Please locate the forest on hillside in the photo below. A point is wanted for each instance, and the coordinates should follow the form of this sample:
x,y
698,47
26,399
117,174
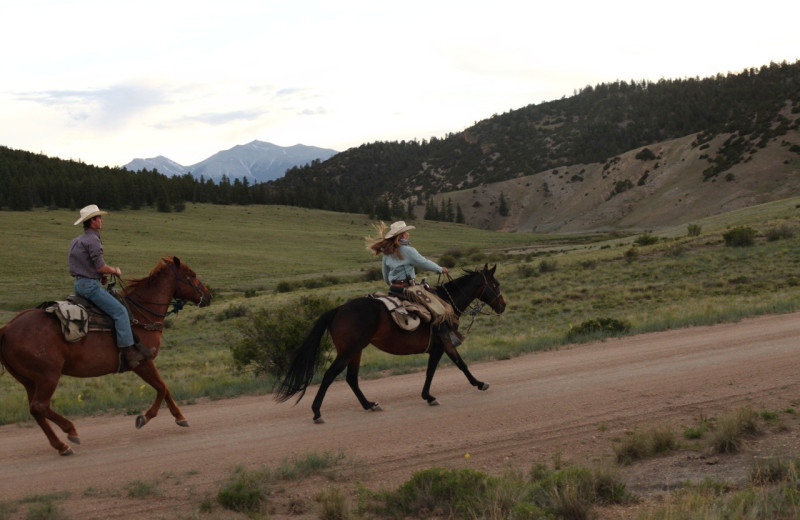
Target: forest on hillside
x,y
387,179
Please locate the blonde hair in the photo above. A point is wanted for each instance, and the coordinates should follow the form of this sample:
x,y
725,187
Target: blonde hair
x,y
379,245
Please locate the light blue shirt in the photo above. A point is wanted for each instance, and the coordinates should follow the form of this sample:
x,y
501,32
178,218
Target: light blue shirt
x,y
395,268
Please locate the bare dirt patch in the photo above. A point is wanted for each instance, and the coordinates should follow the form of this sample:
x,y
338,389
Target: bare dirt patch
x,y
570,404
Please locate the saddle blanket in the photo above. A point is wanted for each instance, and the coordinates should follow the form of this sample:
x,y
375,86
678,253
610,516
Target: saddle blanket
x,y
407,315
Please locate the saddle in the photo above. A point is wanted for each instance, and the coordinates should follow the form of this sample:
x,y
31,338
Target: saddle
x,y
406,314
78,316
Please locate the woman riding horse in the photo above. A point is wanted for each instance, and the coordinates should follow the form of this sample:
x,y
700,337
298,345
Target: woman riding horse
x,y
397,265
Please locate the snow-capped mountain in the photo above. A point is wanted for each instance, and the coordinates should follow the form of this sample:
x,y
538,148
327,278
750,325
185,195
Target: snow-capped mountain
x,y
257,161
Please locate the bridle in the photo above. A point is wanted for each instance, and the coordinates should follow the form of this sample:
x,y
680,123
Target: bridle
x,y
176,303
475,306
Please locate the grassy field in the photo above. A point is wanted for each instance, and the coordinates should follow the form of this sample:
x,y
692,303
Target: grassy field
x,y
552,284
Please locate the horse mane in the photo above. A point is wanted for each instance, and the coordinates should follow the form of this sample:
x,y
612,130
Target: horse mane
x,y
149,279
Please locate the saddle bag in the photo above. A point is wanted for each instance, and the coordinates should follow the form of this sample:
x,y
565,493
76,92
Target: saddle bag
x,y
407,315
73,318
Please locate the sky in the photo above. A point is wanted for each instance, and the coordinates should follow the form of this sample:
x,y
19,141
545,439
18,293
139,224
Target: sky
x,y
105,82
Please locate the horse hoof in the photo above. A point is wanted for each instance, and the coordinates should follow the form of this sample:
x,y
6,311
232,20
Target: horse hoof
x,y
433,402
74,439
66,452
375,407
182,422
483,387
319,420
140,421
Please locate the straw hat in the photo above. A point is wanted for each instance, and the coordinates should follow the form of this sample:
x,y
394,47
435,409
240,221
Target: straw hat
x,y
88,212
396,228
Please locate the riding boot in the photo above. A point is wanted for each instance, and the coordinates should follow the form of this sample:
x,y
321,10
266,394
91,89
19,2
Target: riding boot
x,y
448,335
132,356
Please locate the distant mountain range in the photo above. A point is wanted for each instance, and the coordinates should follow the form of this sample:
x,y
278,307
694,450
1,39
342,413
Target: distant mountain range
x,y
257,161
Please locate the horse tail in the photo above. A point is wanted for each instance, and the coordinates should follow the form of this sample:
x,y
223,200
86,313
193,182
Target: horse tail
x,y
304,360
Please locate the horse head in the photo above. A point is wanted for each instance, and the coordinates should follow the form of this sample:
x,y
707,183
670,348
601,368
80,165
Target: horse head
x,y
479,284
489,292
188,286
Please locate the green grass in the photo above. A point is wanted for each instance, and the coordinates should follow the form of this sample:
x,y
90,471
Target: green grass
x,y
243,253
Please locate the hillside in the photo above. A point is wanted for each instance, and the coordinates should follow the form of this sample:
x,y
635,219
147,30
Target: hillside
x,y
563,159
626,192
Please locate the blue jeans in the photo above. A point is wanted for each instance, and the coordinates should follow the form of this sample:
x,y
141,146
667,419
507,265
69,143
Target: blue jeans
x,y
93,290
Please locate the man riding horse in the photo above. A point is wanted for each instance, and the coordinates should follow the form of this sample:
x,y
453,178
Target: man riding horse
x,y
88,267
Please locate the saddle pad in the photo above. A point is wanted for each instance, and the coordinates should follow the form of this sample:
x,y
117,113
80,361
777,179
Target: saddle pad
x,y
407,315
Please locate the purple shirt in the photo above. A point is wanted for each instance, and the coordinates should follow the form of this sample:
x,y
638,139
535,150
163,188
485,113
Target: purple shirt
x,y
86,255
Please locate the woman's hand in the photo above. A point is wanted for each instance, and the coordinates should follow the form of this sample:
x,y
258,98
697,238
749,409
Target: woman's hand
x,y
444,270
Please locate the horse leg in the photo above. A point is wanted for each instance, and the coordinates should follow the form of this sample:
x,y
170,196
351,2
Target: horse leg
x,y
433,361
149,373
334,370
453,354
352,380
39,396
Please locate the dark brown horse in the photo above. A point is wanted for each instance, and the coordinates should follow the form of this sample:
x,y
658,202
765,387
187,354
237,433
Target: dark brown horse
x,y
361,321
33,349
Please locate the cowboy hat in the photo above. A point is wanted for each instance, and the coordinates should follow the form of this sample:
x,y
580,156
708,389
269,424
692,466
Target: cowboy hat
x,y
396,228
88,212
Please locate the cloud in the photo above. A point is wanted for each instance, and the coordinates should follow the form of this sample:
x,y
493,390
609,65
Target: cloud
x,y
106,108
221,118
319,111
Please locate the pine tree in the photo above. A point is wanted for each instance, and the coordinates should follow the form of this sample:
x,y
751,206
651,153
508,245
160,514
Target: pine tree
x,y
503,206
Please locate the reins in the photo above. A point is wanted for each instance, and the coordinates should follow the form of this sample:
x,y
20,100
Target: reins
x,y
176,303
475,306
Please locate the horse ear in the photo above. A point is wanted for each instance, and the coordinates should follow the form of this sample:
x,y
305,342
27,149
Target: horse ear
x,y
494,268
177,261
486,267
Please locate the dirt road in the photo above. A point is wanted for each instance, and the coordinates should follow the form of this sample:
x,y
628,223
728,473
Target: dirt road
x,y
570,403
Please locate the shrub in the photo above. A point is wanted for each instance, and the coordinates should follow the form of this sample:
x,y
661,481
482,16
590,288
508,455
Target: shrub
x,y
244,492
333,505
284,286
645,155
233,311
694,230
440,491
526,271
547,266
603,326
631,255
741,236
448,261
271,335
373,274
772,470
781,232
733,429
646,239
640,445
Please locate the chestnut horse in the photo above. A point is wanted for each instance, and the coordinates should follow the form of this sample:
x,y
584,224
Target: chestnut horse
x,y
361,321
34,351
